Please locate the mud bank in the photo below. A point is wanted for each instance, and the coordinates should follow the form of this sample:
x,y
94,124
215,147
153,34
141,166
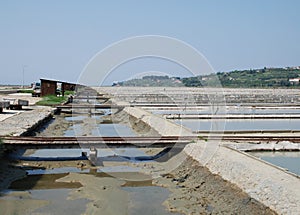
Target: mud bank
x,y
55,127
21,124
9,173
195,190
269,185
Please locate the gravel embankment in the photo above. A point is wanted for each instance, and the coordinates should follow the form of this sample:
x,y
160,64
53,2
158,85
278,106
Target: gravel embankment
x,y
269,185
24,122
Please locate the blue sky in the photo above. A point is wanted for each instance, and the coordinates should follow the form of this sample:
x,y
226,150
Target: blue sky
x,y
56,39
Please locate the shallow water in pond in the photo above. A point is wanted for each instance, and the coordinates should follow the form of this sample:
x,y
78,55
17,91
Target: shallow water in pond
x,y
152,196
56,199
231,110
96,127
244,124
44,193
112,130
106,154
287,160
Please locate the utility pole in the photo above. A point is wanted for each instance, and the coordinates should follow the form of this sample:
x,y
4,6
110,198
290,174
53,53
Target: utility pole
x,y
23,70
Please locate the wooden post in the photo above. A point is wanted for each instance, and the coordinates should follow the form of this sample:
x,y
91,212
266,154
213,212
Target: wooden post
x,y
93,156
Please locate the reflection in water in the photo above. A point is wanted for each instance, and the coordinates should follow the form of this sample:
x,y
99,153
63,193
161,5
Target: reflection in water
x,y
43,181
75,152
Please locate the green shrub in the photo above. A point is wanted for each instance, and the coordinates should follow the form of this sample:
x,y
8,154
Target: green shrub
x,y
25,91
52,100
69,92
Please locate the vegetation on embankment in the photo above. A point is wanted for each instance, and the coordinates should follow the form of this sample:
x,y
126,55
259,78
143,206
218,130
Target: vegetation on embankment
x,y
25,91
52,100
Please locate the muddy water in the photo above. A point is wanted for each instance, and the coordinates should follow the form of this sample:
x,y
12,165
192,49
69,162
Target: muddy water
x,y
75,187
147,200
51,190
45,194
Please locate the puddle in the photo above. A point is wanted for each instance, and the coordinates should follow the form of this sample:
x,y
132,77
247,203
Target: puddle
x,y
51,201
56,170
132,155
75,118
96,127
58,203
84,125
82,117
45,194
58,152
287,160
112,130
147,200
103,153
65,170
43,181
119,169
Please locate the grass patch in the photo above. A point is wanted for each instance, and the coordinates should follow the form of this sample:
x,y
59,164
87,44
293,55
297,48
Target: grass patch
x,y
25,91
202,138
69,92
52,100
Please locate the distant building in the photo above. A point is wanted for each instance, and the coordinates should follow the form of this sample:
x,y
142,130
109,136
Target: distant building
x,y
294,81
115,84
50,87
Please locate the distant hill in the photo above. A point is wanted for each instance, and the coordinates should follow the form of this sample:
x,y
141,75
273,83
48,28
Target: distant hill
x,y
266,77
153,81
